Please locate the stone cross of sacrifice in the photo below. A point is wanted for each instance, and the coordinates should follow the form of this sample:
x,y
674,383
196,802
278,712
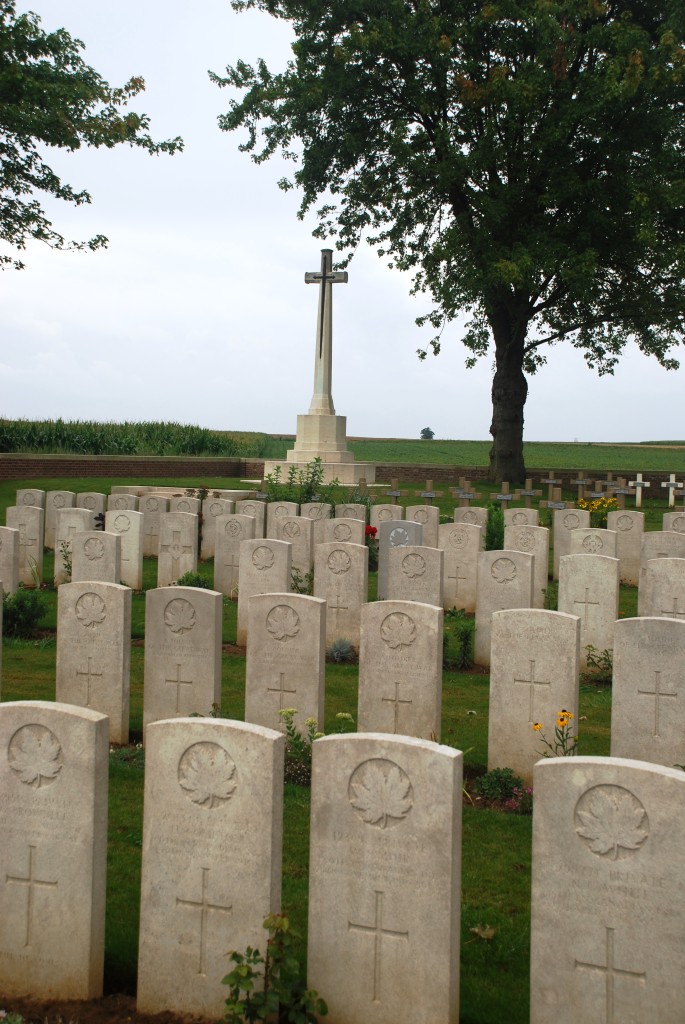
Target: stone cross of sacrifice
x,y
322,399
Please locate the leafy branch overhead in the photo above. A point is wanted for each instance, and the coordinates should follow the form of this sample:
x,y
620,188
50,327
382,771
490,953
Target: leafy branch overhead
x,y
524,160
49,97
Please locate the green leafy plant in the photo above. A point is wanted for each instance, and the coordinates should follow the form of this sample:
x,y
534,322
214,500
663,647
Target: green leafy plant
x,y
298,747
67,560
600,665
345,722
494,529
564,744
192,579
271,988
300,584
301,485
458,641
552,596
499,784
21,613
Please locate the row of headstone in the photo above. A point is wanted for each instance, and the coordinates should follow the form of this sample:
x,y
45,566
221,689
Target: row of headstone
x,y
384,873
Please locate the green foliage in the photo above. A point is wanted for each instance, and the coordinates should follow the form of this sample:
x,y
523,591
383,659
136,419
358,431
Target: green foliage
x,y
600,665
494,529
564,743
298,747
50,98
300,584
301,485
427,434
499,784
271,987
489,150
458,641
84,437
67,560
21,613
193,579
552,596
341,651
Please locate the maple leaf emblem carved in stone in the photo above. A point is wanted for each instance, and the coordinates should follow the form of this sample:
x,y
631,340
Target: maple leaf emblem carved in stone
x,y
625,523
35,755
122,524
248,509
283,623
90,610
399,538
281,510
413,565
571,521
93,549
519,519
59,501
152,505
398,630
206,773
89,502
384,515
679,524
503,570
179,616
470,517
342,532
611,821
262,558
215,509
421,516
339,562
381,793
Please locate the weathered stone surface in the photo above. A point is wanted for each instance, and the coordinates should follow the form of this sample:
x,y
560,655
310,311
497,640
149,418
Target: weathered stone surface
x,y
461,543
122,502
298,531
341,574
534,671
265,568
177,547
130,526
534,540
608,836
96,503
96,555
662,592
230,531
674,521
474,515
352,510
521,517
256,509
68,522
29,521
285,663
658,544
182,652
185,503
648,691
588,587
429,518
31,496
505,580
400,668
629,527
212,508
384,514
344,531
394,533
592,541
55,501
276,510
152,506
212,838
319,513
564,522
384,879
94,651
9,559
415,573
53,854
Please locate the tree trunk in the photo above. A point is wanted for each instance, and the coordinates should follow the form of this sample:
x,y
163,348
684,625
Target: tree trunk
x,y
509,393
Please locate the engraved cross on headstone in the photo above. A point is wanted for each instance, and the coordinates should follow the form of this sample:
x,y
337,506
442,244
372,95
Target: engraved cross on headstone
x,y
90,675
281,690
176,549
610,971
585,603
396,701
31,882
322,399
379,933
205,908
178,683
532,682
657,693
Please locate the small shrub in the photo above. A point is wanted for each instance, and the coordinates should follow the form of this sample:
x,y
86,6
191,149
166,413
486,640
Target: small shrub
x,y
298,748
458,643
600,665
300,584
22,612
341,651
494,530
192,579
552,596
520,802
499,784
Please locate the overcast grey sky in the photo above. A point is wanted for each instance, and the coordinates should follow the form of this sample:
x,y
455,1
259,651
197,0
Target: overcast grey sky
x,y
198,311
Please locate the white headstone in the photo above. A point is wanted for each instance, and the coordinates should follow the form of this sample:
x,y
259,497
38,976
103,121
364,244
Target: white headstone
x,y
230,531
29,521
96,555
394,533
152,506
429,518
384,514
474,515
662,591
629,527
265,568
344,531
415,573
177,546
592,541
9,559
129,525
96,503
461,544
521,517
276,510
351,510
55,501
298,531
122,502
341,579
534,540
505,580
31,496
589,588
212,508
565,521
256,509
68,522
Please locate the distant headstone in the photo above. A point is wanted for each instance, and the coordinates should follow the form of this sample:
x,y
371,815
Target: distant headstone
x,y
257,509
96,503
29,521
177,547
285,661
429,518
185,503
55,501
122,503
565,521
400,669
521,517
629,527
662,592
212,508
53,854
415,573
319,512
230,531
474,515
344,531
592,541
341,580
534,540
152,506
658,544
614,832
384,879
68,522
505,580
94,651
212,838
533,676
129,526
182,652
9,559
461,544
265,568
674,521
298,531
276,510
31,496
384,514
588,587
352,510
394,533
96,555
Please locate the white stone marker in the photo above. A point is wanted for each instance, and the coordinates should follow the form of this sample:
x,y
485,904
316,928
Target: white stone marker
x,y
474,515
184,503
94,651
353,510
521,517
648,691
384,879
565,521
592,541
9,559
256,509
53,853
265,568
341,574
212,508
319,512
629,527
276,510
534,540
400,668
298,531
55,501
122,503
609,833
212,838
177,546
96,503
429,517
29,521
152,506
344,531
662,592
182,652
68,522
96,555
659,544
129,526
285,662
415,573
674,521
394,533
533,676
31,496
505,580
461,543
588,587
384,514
230,531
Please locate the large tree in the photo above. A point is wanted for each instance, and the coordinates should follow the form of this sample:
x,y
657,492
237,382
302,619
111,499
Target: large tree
x,y
49,97
523,158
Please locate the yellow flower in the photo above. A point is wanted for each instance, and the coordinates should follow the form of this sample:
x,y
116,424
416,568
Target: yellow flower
x,y
561,721
537,726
